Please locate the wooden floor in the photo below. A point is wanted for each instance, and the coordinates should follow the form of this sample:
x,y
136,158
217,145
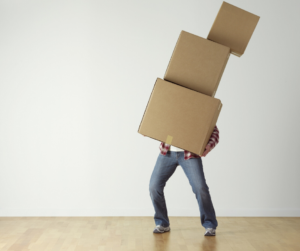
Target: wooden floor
x,y
135,233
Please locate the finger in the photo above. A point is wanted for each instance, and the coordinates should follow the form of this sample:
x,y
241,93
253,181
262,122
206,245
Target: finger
x,y
204,153
207,151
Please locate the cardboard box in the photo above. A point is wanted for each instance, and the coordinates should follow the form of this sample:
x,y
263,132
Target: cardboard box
x,y
180,117
197,63
233,27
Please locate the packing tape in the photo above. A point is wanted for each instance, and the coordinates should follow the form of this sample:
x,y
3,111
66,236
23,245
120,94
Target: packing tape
x,y
169,140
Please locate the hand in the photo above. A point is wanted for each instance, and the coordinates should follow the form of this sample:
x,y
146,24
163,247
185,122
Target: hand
x,y
206,151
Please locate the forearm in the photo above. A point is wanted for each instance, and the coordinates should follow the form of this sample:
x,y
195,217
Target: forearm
x,y
214,138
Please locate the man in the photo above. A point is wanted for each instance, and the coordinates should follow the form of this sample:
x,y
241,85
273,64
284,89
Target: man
x,y
168,160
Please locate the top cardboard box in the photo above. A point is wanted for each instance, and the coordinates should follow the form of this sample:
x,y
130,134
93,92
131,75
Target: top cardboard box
x,y
197,63
233,27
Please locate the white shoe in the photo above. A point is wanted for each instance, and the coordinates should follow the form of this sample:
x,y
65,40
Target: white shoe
x,y
210,232
160,229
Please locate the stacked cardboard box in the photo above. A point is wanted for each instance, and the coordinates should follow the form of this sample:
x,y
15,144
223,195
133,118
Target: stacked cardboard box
x,y
182,110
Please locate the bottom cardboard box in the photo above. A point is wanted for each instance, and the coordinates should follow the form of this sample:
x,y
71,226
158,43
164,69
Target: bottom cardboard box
x,y
180,117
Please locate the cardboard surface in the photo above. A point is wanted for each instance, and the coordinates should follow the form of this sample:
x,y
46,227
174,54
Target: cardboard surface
x,y
197,63
180,116
233,27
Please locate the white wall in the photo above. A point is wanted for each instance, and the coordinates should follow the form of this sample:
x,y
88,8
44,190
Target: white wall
x,y
75,80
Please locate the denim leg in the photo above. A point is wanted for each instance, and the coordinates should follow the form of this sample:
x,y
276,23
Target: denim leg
x,y
164,168
193,169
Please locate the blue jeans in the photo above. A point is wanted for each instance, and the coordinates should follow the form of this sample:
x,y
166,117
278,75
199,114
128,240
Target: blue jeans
x,y
164,168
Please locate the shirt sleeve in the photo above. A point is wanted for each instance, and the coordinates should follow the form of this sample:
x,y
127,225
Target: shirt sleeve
x,y
161,145
214,138
164,148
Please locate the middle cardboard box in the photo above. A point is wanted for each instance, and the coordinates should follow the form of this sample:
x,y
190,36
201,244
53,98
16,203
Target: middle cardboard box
x,y
197,63
180,117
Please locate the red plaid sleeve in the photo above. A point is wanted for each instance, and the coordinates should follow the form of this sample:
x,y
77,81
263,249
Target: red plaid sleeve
x,y
164,148
214,138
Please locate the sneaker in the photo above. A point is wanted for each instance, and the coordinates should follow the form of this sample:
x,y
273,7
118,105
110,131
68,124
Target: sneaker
x,y
210,232
160,229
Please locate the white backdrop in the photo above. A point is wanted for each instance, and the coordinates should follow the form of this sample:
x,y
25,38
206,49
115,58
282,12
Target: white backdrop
x,y
75,80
